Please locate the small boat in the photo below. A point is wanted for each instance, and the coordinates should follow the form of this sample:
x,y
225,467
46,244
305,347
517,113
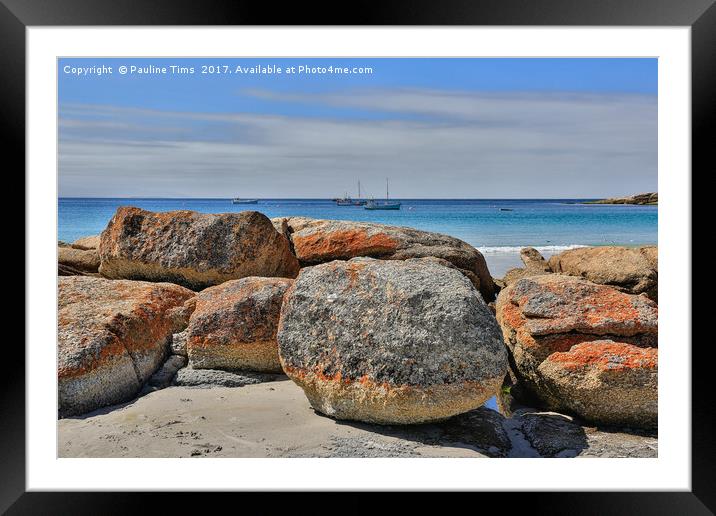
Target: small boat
x,y
387,205
372,205
506,209
347,201
359,201
244,201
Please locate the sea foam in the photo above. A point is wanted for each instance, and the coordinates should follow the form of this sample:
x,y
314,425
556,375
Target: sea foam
x,y
516,249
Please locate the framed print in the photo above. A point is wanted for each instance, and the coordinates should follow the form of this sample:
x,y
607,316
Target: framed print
x,y
419,250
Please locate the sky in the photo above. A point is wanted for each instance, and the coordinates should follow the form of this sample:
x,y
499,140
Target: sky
x,y
438,128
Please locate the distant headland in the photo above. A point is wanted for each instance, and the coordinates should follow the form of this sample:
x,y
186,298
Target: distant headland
x,y
645,199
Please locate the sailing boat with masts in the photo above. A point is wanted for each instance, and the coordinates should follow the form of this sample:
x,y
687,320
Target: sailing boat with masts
x,y
359,201
347,201
387,205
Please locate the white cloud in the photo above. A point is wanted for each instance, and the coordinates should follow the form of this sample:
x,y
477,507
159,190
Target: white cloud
x,y
430,143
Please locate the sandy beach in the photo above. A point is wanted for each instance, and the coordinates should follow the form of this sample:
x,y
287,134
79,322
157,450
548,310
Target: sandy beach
x,y
266,420
275,420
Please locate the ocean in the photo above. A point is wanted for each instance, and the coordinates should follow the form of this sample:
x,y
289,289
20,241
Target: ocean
x,y
550,225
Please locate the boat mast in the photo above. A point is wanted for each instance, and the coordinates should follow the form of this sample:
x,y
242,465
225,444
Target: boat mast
x,y
359,190
386,188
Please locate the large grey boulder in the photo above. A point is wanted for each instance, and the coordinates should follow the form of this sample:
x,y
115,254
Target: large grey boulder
x,y
390,341
196,250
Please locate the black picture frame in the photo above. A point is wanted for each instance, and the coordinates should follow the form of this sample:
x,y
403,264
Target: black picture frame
x,y
700,15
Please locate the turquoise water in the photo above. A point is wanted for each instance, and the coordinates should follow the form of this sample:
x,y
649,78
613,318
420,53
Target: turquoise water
x,y
550,224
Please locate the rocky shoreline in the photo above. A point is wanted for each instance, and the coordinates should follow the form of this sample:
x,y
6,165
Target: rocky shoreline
x,y
398,333
645,199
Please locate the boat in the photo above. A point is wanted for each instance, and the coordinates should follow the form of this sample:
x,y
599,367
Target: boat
x,y
372,205
387,205
359,201
244,201
347,201
344,201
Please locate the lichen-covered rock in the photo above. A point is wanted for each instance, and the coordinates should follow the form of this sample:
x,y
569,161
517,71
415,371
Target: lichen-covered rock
x,y
533,259
544,315
390,341
234,325
535,265
318,241
604,382
112,335
82,261
193,249
88,242
207,378
630,269
518,273
474,279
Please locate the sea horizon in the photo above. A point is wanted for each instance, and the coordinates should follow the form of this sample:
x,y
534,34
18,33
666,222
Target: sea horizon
x,y
331,198
499,228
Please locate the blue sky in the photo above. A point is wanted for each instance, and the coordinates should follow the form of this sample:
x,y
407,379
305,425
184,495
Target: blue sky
x,y
436,127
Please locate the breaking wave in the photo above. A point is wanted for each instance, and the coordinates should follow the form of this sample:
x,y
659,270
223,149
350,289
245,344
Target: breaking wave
x,y
540,248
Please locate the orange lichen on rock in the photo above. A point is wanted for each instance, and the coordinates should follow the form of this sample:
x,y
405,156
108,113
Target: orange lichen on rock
x,y
364,399
509,314
317,241
112,335
583,347
603,381
607,355
196,250
608,304
234,325
557,304
390,341
343,244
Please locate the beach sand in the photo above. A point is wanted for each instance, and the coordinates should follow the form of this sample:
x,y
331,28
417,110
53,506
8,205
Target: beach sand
x,y
265,420
274,419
